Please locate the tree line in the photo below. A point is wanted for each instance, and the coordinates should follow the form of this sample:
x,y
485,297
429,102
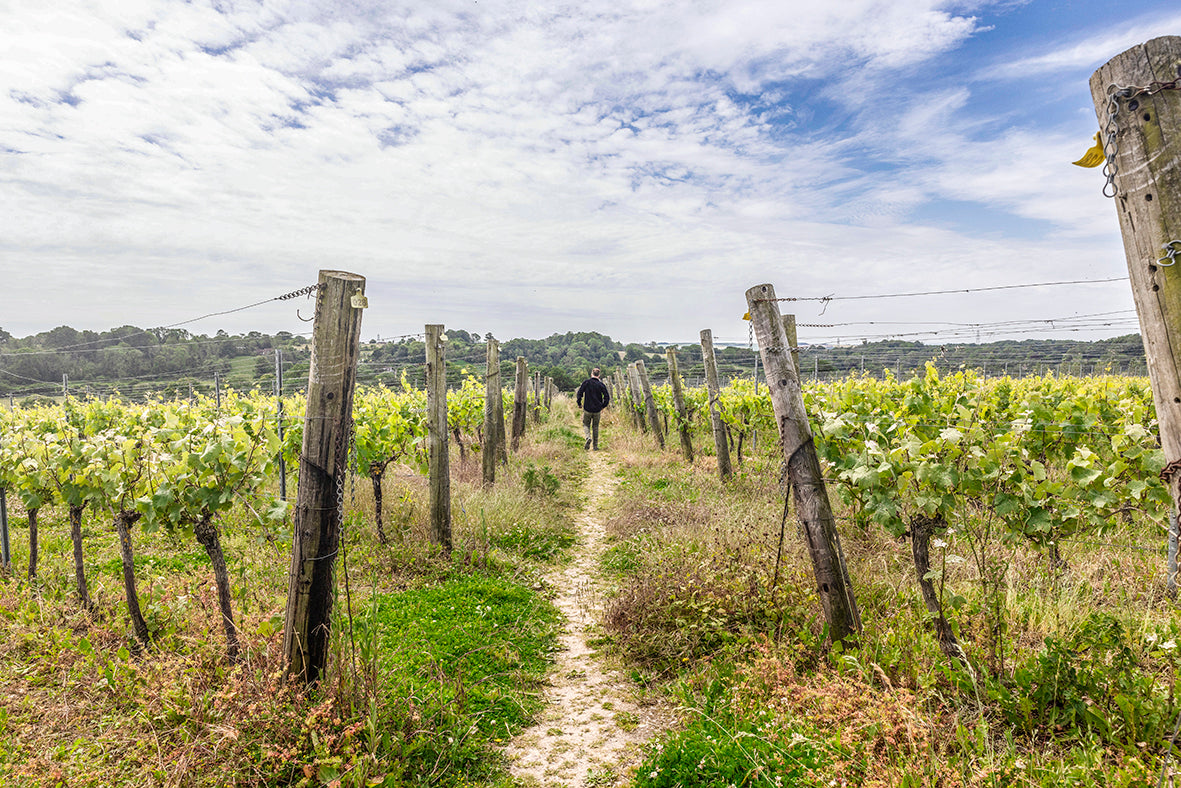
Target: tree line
x,y
167,361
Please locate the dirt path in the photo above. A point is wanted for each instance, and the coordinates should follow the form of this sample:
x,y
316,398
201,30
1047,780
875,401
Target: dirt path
x,y
590,735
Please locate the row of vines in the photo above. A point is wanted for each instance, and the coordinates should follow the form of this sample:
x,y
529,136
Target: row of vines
x,y
1037,459
997,461
181,465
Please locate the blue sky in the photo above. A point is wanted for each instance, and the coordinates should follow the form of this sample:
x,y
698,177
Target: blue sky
x,y
629,167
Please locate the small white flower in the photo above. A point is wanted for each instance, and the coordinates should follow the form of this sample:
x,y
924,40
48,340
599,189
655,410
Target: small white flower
x,y
1169,645
939,543
1151,637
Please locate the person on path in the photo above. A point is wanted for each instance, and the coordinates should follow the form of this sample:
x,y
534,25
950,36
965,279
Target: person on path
x,y
592,397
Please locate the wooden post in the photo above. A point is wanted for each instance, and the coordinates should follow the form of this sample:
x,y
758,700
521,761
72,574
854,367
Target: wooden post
x,y
520,401
803,468
549,393
537,397
674,375
721,445
278,422
501,438
491,402
436,421
636,396
650,403
1142,137
793,342
336,335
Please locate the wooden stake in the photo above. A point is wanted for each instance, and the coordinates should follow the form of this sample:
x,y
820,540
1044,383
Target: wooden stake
x,y
650,403
491,400
436,419
721,445
1147,146
336,336
674,376
789,327
520,402
803,468
635,396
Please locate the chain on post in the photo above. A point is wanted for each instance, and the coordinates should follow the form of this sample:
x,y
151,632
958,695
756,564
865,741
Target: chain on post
x,y
340,471
1172,250
1111,129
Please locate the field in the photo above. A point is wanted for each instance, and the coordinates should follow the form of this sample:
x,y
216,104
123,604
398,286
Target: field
x,y
1039,498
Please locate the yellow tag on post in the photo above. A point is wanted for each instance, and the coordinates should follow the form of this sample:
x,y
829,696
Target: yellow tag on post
x,y
1094,155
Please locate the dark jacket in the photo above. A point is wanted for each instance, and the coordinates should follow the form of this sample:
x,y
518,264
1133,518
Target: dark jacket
x,y
593,395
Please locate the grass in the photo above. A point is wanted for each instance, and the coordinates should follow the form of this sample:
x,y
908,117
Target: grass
x,y
440,660
1075,673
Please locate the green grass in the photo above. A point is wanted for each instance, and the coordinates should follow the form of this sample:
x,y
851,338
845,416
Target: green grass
x,y
443,657
469,656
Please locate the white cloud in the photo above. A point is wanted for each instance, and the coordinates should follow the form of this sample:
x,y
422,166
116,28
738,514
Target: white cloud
x,y
1090,52
577,158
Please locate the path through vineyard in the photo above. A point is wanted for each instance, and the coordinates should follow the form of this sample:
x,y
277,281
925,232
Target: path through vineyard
x,y
592,730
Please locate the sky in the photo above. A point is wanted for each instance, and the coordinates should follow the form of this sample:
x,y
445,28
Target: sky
x,y
630,167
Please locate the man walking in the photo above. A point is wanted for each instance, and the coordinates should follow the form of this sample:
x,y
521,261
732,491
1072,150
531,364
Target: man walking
x,y
592,397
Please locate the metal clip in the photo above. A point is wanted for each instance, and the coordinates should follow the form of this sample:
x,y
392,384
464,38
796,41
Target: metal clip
x,y
1173,248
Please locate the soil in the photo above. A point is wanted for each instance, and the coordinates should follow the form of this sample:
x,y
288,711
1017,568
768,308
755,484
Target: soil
x,y
593,730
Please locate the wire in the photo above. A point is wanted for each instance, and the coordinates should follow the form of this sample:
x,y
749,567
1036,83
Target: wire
x,y
285,297
828,298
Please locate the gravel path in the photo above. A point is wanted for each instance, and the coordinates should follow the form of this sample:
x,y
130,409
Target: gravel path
x,y
592,731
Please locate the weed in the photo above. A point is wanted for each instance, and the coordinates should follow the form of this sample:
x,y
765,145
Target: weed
x,y
540,481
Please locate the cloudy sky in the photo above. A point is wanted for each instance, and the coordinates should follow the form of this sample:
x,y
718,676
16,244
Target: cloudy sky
x,y
629,167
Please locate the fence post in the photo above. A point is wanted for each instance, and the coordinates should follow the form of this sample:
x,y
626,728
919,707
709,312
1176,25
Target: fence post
x,y
501,438
721,445
436,421
5,552
1141,128
278,420
674,375
650,403
491,398
520,401
793,342
635,395
336,336
803,468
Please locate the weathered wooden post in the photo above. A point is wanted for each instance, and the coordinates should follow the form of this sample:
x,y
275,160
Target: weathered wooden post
x,y
793,342
1137,97
501,436
650,403
635,394
336,335
279,428
492,403
438,462
520,401
721,445
674,375
537,397
803,468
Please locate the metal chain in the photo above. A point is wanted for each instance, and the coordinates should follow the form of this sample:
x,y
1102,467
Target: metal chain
x,y
1111,129
297,293
341,469
1172,250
